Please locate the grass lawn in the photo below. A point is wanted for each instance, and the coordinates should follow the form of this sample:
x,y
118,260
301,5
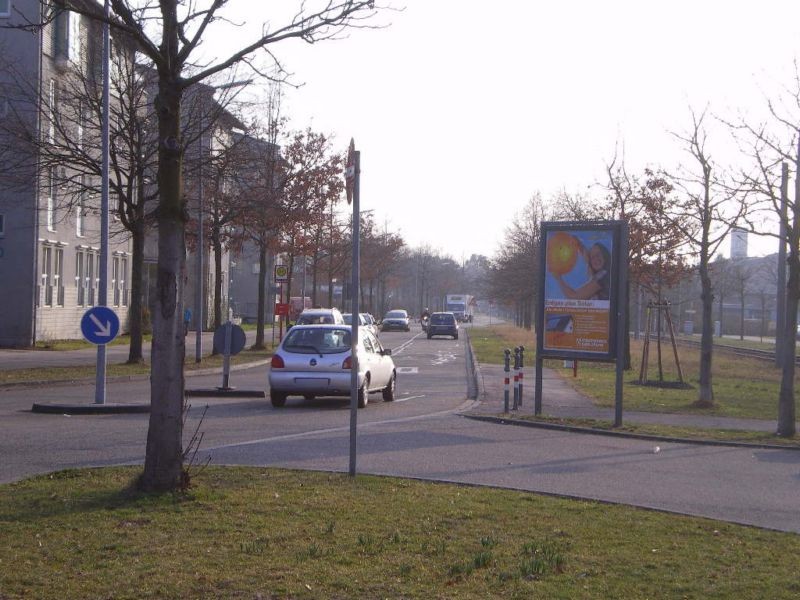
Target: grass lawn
x,y
266,533
743,387
120,369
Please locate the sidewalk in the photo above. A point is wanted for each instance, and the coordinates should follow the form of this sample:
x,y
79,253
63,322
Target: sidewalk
x,y
559,399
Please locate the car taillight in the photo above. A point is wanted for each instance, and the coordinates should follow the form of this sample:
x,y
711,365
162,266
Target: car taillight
x,y
348,363
277,362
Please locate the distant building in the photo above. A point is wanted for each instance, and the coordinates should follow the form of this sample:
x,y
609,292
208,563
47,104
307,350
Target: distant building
x,y
738,243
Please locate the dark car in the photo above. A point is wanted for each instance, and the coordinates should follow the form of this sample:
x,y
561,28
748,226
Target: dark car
x,y
443,323
396,320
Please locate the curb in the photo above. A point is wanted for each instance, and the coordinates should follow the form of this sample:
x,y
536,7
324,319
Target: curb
x,y
624,434
125,378
219,392
90,409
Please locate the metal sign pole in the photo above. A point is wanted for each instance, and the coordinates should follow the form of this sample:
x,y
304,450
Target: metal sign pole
x,y
356,266
622,312
102,300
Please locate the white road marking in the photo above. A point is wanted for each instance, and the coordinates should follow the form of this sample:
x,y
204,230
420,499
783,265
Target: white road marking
x,y
411,370
409,398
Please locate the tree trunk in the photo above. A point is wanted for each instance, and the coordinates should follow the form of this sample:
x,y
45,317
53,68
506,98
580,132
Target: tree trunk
x,y
741,319
262,293
705,396
135,355
163,465
314,279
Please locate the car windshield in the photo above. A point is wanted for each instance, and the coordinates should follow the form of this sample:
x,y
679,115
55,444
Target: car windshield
x,y
442,319
348,319
315,319
313,340
396,314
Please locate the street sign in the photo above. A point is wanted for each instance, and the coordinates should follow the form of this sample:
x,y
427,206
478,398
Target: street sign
x,y
238,339
350,171
281,309
281,273
99,325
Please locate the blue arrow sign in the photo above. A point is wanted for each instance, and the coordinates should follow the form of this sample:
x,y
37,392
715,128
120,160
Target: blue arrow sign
x,y
99,325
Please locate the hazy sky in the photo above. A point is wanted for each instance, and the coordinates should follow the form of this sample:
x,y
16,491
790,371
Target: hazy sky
x,y
462,110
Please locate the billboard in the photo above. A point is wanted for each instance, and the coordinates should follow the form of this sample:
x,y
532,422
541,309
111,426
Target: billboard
x,y
580,269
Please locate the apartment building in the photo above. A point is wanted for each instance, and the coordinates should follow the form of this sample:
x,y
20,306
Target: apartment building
x,y
49,218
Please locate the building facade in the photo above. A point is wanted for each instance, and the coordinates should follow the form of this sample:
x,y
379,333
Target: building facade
x,y
49,222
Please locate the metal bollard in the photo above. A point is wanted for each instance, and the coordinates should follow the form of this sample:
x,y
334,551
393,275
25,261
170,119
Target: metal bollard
x,y
516,378
521,373
506,368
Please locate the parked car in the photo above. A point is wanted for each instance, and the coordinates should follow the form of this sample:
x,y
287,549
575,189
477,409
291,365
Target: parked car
x,y
443,323
396,319
372,324
320,316
348,319
315,360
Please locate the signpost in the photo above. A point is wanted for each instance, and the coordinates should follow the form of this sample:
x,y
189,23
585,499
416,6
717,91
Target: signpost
x,y
229,339
352,176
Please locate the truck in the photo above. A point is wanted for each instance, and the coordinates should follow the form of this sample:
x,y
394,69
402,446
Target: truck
x,y
461,305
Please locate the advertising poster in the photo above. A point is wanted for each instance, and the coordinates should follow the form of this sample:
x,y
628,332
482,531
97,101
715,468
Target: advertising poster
x,y
578,290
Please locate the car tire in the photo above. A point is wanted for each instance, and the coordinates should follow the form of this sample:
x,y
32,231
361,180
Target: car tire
x,y
363,394
429,336
388,391
455,337
278,399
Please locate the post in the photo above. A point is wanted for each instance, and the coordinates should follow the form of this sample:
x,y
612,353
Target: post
x,y
102,300
780,304
506,381
226,357
198,293
537,388
521,371
622,312
356,266
516,378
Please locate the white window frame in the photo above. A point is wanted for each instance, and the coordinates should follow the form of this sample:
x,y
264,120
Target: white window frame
x,y
51,200
123,274
5,8
47,274
114,279
58,275
74,37
51,112
79,278
80,216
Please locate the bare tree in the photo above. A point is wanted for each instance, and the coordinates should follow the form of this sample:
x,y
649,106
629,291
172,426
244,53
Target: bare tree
x,y
709,209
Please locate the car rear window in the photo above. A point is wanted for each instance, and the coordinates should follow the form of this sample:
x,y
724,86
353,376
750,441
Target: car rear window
x,y
441,319
315,319
317,341
396,314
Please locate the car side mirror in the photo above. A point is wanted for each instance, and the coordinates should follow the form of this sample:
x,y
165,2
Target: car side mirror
x,y
386,352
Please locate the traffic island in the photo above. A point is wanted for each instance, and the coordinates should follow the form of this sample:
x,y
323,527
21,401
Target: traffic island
x,y
109,408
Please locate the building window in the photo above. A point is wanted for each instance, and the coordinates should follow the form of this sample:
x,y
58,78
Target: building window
x,y
86,261
79,277
52,191
80,216
47,274
5,8
51,112
115,279
124,284
58,276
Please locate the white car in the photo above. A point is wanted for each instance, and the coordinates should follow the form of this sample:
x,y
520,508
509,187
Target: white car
x,y
315,360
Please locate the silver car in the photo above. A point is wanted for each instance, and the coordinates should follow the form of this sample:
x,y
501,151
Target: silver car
x,y
314,360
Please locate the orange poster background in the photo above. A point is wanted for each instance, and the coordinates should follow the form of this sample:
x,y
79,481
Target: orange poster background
x,y
576,328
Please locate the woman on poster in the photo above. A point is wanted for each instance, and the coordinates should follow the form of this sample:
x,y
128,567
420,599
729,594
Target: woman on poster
x,y
598,265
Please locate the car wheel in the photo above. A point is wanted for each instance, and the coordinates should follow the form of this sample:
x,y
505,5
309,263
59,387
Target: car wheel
x,y
455,337
278,399
388,391
363,394
429,336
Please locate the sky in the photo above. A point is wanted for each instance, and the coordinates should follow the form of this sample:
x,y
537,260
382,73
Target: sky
x,y
463,110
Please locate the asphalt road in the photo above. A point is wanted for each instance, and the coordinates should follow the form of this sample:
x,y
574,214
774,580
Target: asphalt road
x,y
422,434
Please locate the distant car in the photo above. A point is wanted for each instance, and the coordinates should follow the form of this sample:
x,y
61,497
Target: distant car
x,y
315,360
320,316
443,323
396,320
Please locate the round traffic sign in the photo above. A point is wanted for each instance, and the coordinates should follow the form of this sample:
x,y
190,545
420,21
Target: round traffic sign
x,y
238,339
99,325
